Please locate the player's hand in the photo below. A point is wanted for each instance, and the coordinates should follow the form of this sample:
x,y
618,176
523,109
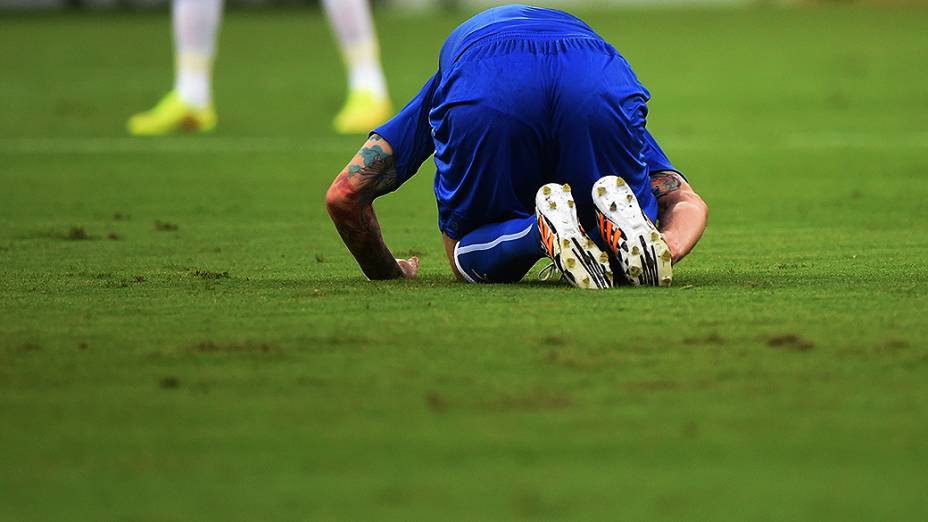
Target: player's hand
x,y
410,267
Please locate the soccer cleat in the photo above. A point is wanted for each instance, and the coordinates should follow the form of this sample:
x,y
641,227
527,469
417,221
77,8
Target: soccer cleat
x,y
362,112
633,239
172,115
574,254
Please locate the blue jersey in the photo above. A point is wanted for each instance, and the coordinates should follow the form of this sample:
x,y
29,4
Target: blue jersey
x,y
511,20
525,96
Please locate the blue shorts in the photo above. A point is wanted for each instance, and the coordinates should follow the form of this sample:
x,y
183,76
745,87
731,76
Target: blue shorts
x,y
516,111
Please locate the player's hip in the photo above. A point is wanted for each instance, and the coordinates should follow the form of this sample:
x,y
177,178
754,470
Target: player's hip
x,y
536,89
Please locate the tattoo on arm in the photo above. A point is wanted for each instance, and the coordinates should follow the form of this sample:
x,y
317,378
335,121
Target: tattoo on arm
x,y
370,174
665,182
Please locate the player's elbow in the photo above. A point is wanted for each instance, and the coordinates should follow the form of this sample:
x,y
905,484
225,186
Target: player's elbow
x,y
333,199
691,199
339,199
700,204
684,202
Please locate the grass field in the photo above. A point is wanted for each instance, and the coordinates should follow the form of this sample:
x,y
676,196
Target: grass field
x,y
184,337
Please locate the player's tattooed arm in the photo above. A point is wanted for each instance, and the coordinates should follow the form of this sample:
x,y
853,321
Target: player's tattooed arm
x,y
681,212
349,200
665,182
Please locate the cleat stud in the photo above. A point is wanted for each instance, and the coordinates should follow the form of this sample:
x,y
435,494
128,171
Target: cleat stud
x,y
553,205
565,187
666,256
570,203
666,281
603,257
571,262
635,251
655,236
619,182
629,197
586,282
546,190
566,243
589,243
601,190
613,207
634,271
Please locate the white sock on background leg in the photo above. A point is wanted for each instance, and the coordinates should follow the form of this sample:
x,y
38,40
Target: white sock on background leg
x,y
196,23
354,29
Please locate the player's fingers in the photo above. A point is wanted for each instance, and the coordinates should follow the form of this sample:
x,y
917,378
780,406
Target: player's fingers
x,y
410,267
414,267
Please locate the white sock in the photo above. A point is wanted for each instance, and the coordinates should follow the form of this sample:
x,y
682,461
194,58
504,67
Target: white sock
x,y
196,23
354,29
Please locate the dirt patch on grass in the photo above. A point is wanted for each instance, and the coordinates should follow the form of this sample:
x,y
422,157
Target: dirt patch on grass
x,y
916,362
110,280
165,226
553,340
169,383
77,234
326,343
793,266
579,359
892,345
435,402
208,275
790,341
121,216
234,347
134,280
711,339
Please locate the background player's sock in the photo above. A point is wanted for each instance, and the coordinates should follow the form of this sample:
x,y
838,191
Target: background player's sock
x,y
354,29
196,23
500,252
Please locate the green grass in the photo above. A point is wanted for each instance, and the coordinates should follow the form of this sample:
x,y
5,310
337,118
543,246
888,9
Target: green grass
x,y
240,368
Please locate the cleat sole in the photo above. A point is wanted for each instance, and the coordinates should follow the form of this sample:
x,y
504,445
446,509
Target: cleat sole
x,y
634,240
577,257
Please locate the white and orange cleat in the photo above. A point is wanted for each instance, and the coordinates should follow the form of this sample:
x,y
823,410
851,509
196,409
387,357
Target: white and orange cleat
x,y
632,237
577,257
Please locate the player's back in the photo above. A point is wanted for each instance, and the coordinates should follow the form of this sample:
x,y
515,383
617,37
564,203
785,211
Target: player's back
x,y
510,20
524,96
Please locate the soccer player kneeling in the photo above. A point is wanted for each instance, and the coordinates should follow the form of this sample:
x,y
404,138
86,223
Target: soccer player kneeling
x,y
538,130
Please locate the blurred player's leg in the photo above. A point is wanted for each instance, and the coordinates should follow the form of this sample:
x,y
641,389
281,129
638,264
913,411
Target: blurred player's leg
x,y
189,107
368,104
196,24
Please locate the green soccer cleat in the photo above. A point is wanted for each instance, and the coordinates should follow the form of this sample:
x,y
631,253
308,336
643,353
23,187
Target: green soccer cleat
x,y
362,112
172,115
